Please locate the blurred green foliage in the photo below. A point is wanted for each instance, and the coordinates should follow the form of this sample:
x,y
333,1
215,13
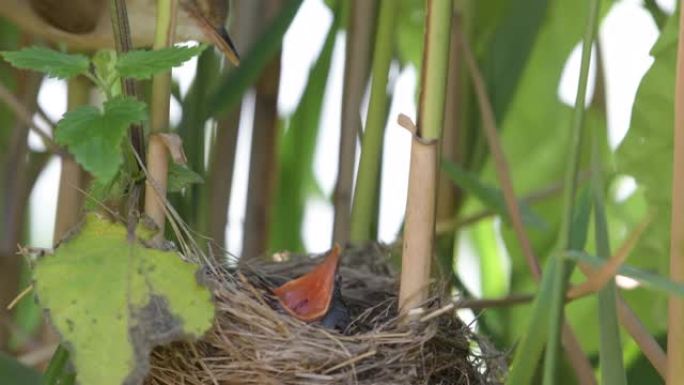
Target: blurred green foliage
x,y
522,47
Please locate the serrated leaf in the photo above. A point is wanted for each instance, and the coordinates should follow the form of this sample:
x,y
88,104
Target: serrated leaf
x,y
180,176
94,137
53,63
142,64
113,300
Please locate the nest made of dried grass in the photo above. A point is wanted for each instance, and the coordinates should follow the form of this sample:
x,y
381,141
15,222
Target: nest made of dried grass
x,y
252,342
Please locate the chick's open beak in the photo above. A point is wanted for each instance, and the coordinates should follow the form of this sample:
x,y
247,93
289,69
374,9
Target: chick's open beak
x,y
308,297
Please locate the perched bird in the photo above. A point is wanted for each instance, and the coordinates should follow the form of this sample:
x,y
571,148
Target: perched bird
x,y
211,16
85,24
316,296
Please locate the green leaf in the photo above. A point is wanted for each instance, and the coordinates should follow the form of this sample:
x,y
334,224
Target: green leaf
x,y
409,31
646,153
490,196
94,137
53,63
15,373
113,300
142,64
180,176
509,50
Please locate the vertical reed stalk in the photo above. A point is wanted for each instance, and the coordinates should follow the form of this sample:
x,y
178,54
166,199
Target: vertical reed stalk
x,y
245,18
157,152
263,163
15,185
369,165
220,180
452,147
419,230
357,63
72,178
610,348
675,335
562,272
419,227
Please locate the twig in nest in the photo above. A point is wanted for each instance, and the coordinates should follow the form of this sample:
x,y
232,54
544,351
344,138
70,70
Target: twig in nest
x,y
19,297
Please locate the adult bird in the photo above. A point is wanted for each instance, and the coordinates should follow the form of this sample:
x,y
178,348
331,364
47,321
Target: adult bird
x,y
86,25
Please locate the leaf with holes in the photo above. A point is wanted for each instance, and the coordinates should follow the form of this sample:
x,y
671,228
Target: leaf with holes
x,y
94,137
113,300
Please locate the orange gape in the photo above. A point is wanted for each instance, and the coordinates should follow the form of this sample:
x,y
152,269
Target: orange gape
x,y
308,297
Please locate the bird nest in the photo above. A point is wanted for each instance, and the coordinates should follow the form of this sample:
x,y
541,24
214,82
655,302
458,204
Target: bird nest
x,y
254,342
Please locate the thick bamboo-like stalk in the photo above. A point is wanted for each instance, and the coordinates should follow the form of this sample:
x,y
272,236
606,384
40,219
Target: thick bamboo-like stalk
x,y
420,221
435,69
366,188
356,68
675,332
157,152
419,230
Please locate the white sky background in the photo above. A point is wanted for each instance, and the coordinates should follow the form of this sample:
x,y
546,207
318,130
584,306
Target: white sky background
x,y
627,33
